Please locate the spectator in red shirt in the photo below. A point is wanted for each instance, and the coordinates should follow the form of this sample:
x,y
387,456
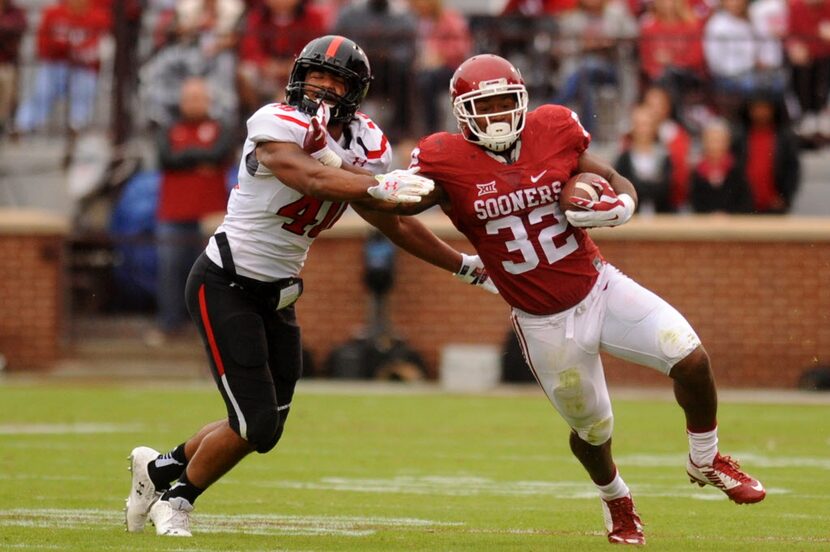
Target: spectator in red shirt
x,y
12,26
274,34
671,49
718,181
68,42
443,42
768,149
194,155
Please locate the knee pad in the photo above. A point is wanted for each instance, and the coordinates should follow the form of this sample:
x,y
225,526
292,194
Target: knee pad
x,y
598,432
265,429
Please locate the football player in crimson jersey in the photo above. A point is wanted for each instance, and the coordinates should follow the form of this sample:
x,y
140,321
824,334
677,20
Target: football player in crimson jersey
x,y
241,291
498,180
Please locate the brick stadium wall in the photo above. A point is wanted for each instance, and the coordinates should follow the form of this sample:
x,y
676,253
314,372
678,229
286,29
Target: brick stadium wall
x,y
755,289
31,288
752,288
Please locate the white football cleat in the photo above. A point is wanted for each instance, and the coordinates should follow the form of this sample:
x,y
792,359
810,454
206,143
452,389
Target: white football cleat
x,y
172,518
142,491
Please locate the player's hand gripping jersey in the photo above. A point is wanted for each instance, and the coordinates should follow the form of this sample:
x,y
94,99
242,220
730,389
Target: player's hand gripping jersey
x,y
269,225
509,212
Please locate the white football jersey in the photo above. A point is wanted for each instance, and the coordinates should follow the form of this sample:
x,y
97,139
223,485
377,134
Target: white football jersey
x,y
269,225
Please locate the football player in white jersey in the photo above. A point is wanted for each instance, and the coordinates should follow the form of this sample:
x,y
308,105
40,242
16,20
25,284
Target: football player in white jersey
x,y
241,291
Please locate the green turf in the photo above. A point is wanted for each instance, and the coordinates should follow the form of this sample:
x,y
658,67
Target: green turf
x,y
365,472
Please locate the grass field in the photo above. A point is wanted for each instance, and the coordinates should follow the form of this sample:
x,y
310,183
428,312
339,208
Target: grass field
x,y
367,471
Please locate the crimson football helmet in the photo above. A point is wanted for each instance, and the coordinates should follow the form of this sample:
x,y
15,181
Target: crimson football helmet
x,y
484,76
338,55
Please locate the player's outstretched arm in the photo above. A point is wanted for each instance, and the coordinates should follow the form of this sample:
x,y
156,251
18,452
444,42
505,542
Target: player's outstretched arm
x,y
297,169
412,236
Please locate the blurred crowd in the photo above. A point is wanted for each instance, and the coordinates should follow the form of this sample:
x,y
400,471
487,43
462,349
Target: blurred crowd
x,y
708,102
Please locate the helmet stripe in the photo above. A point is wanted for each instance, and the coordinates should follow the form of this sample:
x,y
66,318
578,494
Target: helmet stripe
x,y
335,44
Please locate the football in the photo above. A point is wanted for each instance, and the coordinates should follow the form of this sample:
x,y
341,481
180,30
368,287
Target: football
x,y
579,185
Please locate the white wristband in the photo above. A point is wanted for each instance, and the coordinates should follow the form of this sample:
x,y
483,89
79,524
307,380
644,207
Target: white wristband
x,y
468,262
328,158
629,204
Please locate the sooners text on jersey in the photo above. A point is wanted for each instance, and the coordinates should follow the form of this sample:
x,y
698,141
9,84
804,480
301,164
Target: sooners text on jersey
x,y
510,212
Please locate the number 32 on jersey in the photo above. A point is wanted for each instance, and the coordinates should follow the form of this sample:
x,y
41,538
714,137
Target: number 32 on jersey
x,y
546,237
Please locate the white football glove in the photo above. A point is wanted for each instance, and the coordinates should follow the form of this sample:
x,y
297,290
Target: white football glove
x,y
472,272
401,186
609,210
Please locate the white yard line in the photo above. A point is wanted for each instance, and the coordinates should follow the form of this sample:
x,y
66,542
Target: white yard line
x,y
66,429
256,524
481,486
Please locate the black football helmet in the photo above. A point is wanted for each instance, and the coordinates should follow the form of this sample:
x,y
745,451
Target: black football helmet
x,y
338,55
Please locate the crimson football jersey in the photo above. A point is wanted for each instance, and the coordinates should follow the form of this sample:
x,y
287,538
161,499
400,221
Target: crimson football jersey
x,y
510,212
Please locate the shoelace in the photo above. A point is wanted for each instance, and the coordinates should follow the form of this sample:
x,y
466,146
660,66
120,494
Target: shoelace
x,y
730,467
622,512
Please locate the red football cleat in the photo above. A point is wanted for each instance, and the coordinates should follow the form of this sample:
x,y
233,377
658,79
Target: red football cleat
x,y
622,522
725,474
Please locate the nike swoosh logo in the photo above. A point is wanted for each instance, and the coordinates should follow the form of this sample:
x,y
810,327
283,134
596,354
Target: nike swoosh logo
x,y
757,486
536,178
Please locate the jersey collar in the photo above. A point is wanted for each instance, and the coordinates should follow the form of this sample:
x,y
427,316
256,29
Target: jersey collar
x,y
507,157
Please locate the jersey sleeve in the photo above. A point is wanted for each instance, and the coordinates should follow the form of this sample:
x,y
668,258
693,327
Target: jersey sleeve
x,y
565,125
276,123
429,155
373,144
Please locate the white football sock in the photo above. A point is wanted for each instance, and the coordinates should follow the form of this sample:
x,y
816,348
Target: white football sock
x,y
616,489
703,447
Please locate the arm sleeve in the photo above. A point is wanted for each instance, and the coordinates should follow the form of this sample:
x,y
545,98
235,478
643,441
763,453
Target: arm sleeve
x,y
167,159
373,143
699,196
714,39
740,197
574,132
275,124
215,153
